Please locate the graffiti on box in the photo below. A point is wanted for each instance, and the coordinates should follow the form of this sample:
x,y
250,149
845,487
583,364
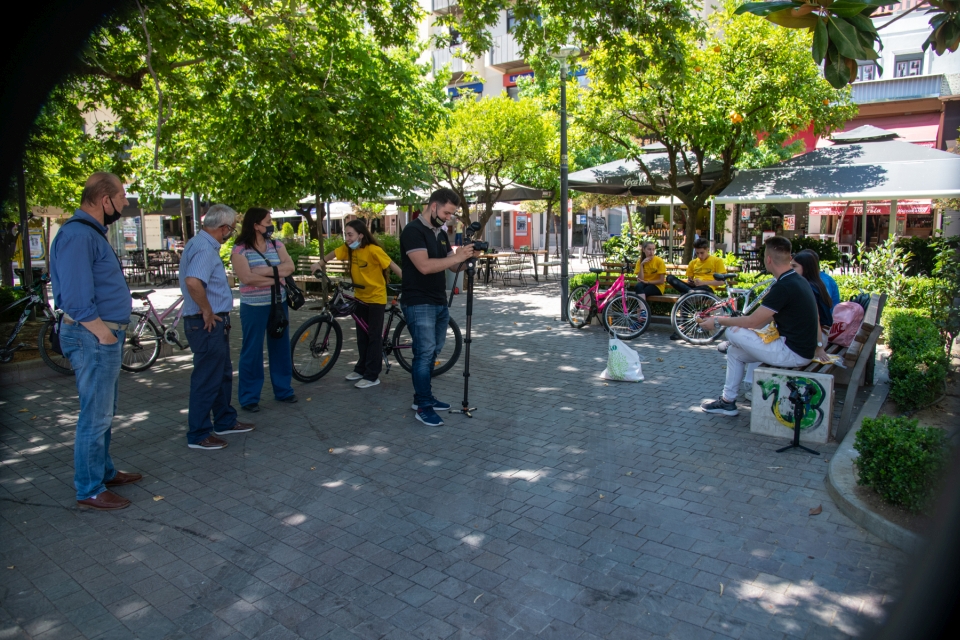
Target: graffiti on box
x,y
782,407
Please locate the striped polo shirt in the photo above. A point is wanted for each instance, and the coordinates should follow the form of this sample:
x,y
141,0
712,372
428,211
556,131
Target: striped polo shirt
x,y
201,260
259,296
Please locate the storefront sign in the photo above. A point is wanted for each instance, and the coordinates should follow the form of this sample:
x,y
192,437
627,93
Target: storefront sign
x,y
476,87
497,221
582,219
882,208
510,79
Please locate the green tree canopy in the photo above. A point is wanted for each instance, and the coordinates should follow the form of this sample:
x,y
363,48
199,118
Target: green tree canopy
x,y
484,145
747,79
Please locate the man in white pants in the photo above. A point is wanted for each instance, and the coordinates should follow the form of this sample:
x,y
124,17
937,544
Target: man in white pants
x,y
790,305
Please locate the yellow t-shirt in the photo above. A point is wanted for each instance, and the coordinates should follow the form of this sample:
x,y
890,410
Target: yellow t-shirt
x,y
652,270
367,270
704,270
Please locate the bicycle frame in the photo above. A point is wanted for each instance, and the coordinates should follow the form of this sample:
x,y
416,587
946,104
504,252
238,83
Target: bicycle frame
x,y
393,310
733,294
160,317
605,297
30,301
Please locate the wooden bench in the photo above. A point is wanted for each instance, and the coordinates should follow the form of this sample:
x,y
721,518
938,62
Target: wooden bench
x,y
305,278
859,360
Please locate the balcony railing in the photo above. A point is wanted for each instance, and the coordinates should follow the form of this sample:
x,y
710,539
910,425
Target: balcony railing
x,y
897,89
444,6
506,52
444,57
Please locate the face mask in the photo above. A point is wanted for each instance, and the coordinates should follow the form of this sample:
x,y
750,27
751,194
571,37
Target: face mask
x,y
435,219
269,231
110,218
354,245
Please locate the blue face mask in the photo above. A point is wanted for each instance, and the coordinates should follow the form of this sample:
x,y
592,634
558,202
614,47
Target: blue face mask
x,y
354,245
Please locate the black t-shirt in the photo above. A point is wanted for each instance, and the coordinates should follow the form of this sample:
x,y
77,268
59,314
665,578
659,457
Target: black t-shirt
x,y
417,287
795,313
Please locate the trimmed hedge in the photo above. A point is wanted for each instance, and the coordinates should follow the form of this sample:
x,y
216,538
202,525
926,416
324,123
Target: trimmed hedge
x,y
918,364
901,461
918,291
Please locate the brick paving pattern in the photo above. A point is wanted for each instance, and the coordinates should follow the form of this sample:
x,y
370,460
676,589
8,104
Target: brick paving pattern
x,y
568,507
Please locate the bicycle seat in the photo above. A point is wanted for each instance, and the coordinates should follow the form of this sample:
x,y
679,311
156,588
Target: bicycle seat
x,y
141,295
725,276
598,270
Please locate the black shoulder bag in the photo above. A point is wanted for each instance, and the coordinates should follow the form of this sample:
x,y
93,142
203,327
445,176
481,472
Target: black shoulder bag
x,y
277,322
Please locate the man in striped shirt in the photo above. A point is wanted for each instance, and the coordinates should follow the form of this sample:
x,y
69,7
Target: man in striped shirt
x,y
207,302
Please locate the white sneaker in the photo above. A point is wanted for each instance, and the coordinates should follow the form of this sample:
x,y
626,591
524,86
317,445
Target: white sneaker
x,y
365,384
353,375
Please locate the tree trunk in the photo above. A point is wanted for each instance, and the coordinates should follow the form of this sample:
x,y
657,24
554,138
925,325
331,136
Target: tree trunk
x,y
633,232
8,246
693,208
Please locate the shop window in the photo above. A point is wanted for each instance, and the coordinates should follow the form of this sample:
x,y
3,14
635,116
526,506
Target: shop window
x,y
905,66
867,71
511,21
455,38
514,93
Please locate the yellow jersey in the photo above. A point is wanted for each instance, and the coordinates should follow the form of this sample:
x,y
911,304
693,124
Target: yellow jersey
x,y
704,269
367,270
653,269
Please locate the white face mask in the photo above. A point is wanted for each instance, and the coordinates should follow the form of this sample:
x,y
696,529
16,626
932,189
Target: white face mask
x,y
354,245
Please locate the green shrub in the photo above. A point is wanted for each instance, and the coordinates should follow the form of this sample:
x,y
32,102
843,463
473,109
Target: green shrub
x,y
581,278
915,292
626,246
9,295
226,249
923,255
918,364
827,250
901,461
286,231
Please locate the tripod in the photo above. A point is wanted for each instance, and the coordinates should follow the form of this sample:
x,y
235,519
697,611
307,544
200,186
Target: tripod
x,y
799,396
471,268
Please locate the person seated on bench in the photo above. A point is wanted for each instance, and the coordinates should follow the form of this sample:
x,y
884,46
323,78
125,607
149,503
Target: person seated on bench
x,y
651,272
827,280
699,273
790,305
807,264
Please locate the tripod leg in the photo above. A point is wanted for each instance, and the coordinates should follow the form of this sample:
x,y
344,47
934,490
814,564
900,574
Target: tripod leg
x,y
466,408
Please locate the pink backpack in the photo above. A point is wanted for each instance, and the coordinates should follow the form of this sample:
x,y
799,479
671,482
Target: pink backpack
x,y
847,317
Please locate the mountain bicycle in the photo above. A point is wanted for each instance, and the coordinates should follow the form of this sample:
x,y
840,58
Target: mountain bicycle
x,y
147,333
621,311
316,344
700,304
48,342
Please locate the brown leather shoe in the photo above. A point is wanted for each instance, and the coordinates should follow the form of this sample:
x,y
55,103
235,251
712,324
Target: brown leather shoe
x,y
240,427
106,501
123,477
210,443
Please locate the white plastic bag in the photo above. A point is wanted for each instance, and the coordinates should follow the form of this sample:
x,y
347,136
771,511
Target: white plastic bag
x,y
623,363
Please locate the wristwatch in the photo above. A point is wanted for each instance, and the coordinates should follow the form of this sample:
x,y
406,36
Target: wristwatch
x,y
716,323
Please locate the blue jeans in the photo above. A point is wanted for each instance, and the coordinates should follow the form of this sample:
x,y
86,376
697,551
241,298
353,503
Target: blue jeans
x,y
211,383
253,321
97,368
428,330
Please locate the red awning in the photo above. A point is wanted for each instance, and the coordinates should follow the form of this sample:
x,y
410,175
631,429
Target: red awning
x,y
916,128
904,208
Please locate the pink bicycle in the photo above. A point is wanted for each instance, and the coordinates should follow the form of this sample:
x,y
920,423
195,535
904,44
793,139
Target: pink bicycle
x,y
621,312
147,333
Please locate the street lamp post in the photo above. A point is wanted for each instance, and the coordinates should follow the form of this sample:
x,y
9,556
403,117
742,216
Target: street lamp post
x,y
562,55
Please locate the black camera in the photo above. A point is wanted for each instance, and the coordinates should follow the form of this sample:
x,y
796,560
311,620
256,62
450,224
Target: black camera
x,y
479,246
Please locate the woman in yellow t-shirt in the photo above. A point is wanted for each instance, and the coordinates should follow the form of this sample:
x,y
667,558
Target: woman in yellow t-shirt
x,y
368,263
651,272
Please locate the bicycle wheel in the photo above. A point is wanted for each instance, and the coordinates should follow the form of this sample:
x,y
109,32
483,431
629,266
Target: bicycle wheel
x,y
448,356
56,361
314,350
627,316
579,304
692,306
141,348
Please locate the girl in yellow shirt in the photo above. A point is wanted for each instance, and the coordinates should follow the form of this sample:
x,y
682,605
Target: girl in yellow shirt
x,y
651,272
368,262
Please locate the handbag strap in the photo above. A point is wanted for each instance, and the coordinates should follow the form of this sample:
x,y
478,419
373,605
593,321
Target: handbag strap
x,y
276,296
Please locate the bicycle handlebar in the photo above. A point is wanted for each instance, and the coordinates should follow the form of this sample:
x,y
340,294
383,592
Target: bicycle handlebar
x,y
319,273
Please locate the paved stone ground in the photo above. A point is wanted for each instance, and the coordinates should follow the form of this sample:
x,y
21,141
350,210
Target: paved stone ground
x,y
566,508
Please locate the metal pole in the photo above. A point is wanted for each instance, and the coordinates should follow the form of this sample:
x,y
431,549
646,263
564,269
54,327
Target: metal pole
x,y
670,238
143,238
564,215
863,231
25,264
892,231
713,224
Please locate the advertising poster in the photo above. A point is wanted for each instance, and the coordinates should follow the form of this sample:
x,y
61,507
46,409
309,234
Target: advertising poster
x,y
789,223
130,233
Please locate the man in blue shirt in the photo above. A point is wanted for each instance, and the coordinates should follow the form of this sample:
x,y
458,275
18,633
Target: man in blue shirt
x,y
207,302
88,285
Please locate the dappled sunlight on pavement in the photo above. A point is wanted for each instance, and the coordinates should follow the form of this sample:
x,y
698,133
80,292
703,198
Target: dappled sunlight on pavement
x,y
569,506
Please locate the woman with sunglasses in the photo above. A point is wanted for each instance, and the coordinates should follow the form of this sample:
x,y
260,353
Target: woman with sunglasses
x,y
368,264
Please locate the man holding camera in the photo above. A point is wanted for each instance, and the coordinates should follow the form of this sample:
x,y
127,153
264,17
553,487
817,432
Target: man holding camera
x,y
425,255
